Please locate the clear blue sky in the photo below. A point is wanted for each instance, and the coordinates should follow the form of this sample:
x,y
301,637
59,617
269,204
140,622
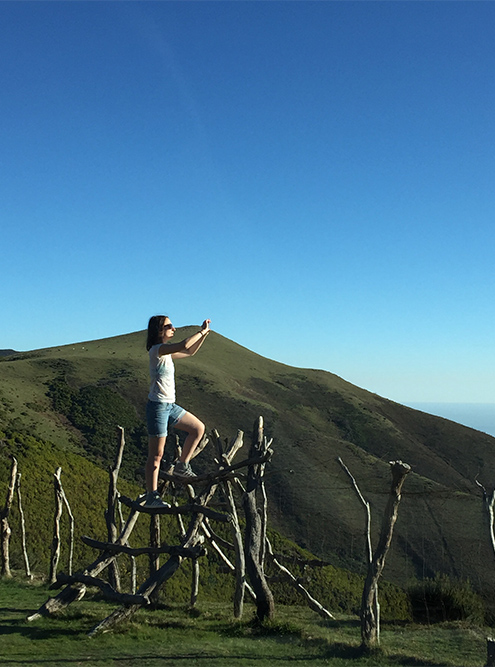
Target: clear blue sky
x,y
315,177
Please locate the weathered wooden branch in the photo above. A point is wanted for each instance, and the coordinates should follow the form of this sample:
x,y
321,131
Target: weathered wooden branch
x,y
112,502
370,624
265,606
194,583
223,473
72,524
55,550
23,529
108,591
112,547
190,508
199,448
218,538
312,602
367,527
212,540
5,529
154,555
240,560
369,549
75,592
489,502
490,650
132,558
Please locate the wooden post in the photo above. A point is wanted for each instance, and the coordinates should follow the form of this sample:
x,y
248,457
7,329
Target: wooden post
x,y
369,550
490,649
110,513
23,529
133,558
194,582
4,521
212,539
240,563
154,559
489,502
253,549
55,551
370,619
71,530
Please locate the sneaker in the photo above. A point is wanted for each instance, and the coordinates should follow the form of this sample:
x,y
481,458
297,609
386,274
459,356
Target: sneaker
x,y
153,501
183,470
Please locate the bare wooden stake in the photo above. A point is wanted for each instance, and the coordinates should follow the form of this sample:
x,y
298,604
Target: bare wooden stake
x,y
111,511
154,558
194,582
71,531
489,502
55,550
60,501
369,550
490,650
132,558
213,541
23,529
253,549
240,562
370,622
4,521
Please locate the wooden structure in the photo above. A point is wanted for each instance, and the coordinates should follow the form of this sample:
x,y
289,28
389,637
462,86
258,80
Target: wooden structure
x,y
250,553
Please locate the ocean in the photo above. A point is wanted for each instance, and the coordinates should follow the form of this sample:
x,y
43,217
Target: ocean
x,y
480,416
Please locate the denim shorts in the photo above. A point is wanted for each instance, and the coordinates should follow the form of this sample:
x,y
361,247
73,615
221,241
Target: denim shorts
x,y
159,416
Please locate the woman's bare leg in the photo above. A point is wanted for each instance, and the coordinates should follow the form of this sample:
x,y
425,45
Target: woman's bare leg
x,y
156,446
195,430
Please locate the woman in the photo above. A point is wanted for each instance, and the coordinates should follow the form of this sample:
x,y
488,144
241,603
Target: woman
x,y
161,409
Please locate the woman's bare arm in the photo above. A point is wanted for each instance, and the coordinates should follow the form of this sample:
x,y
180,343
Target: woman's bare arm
x,y
184,348
190,352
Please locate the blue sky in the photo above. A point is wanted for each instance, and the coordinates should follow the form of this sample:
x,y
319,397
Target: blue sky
x,y
315,177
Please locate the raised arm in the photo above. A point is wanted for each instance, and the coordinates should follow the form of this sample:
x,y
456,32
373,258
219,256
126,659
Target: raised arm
x,y
188,346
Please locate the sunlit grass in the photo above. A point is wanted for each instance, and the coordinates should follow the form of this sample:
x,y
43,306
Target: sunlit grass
x,y
208,635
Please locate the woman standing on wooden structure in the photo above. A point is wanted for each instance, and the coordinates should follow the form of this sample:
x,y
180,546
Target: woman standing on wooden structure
x,y
161,409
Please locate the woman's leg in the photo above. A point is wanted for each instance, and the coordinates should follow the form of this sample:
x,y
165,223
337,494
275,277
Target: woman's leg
x,y
156,446
195,430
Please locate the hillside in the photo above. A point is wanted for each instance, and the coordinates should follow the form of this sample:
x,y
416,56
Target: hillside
x,y
313,416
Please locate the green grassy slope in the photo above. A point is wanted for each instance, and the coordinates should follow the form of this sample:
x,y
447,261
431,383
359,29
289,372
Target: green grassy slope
x,y
313,416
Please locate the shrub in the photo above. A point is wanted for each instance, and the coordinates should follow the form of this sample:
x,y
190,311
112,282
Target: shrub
x,y
96,411
444,599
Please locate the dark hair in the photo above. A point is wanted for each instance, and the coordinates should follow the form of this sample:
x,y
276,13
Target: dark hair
x,y
155,326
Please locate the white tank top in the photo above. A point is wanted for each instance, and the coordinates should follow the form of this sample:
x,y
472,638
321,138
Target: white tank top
x,y
162,374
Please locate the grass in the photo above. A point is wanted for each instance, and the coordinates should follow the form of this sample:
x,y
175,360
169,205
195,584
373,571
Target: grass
x,y
209,636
